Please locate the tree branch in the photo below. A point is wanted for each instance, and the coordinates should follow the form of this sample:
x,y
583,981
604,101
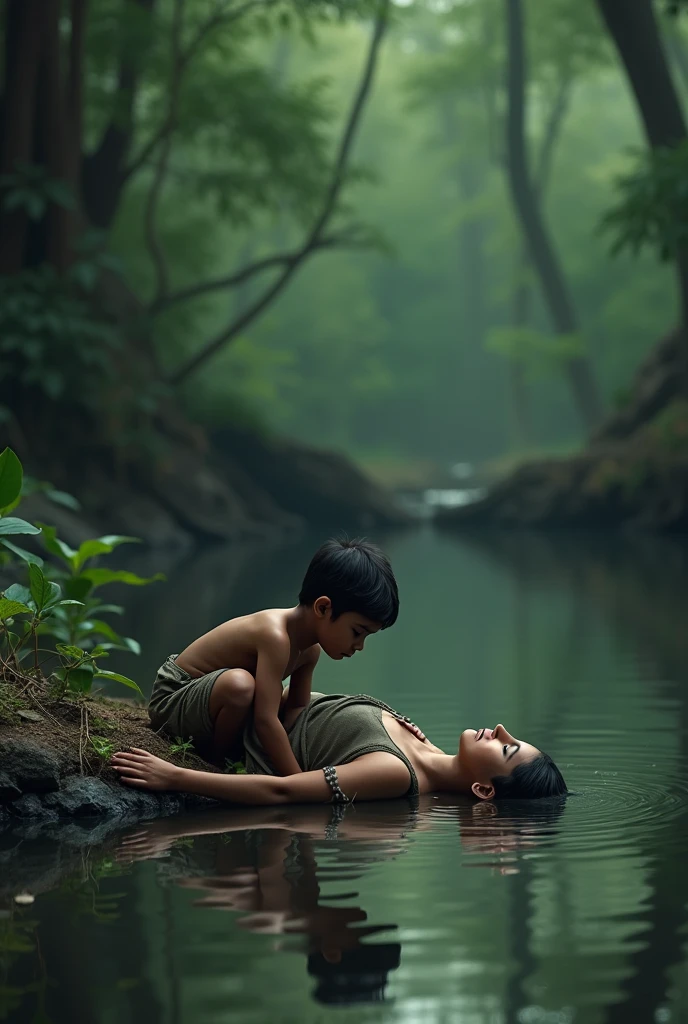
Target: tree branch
x,y
314,237
223,15
347,239
150,217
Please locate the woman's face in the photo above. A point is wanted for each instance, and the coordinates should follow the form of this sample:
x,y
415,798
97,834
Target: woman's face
x,y
485,753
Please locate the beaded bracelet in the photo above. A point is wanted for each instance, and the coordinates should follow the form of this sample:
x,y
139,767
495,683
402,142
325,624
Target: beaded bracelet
x,y
338,795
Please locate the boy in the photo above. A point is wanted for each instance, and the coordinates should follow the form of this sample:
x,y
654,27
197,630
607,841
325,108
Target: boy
x,y
207,691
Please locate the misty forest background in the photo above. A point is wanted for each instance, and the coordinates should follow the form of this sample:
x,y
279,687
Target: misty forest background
x,y
316,220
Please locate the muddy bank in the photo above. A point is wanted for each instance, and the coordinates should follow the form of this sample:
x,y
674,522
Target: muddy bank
x,y
597,489
54,764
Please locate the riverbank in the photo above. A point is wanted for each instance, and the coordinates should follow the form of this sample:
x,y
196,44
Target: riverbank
x,y
632,474
55,761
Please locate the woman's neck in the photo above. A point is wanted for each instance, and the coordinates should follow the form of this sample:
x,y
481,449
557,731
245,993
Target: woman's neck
x,y
444,772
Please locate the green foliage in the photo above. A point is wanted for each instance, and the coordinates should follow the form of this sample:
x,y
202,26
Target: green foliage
x,y
103,748
652,208
30,188
235,767
60,601
50,338
542,353
182,746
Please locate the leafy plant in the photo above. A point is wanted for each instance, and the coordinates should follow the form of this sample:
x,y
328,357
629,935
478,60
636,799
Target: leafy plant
x,y
64,607
652,209
235,767
102,747
182,747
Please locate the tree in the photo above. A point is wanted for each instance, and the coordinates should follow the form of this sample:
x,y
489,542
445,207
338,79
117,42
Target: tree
x,y
186,87
542,251
633,28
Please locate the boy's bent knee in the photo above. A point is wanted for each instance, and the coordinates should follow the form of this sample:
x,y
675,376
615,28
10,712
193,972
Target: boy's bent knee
x,y
235,688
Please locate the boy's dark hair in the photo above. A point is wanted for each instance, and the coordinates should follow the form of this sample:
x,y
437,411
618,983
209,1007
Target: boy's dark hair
x,y
356,577
530,780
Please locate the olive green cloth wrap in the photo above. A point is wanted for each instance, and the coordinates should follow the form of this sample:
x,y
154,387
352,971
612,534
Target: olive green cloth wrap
x,y
179,704
333,729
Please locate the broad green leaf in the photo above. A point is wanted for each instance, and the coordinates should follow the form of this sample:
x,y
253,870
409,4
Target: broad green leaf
x,y
11,475
26,556
10,608
55,546
100,546
115,677
99,577
131,645
19,593
43,591
68,600
70,651
63,498
79,680
98,652
10,526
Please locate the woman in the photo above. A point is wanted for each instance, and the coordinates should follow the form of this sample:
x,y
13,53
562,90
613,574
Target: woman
x,y
359,748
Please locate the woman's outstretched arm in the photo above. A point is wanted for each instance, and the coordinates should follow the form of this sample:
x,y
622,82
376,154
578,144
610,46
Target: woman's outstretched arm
x,y
376,776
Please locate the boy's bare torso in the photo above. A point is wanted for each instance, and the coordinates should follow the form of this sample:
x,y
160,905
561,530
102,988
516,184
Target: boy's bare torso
x,y
236,643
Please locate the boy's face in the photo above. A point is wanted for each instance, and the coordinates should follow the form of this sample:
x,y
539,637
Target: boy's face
x,y
343,636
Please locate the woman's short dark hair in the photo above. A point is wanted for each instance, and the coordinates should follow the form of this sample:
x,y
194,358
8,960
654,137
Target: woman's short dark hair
x,y
356,577
538,777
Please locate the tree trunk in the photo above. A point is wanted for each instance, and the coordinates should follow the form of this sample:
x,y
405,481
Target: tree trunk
x,y
633,27
542,251
22,46
103,171
53,133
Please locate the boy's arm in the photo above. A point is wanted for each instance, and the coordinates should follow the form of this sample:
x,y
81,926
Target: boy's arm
x,y
272,658
301,680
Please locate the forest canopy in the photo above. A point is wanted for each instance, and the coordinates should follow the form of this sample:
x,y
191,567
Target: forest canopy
x,y
328,219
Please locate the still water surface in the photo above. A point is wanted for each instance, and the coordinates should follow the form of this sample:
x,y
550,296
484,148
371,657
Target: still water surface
x,y
445,912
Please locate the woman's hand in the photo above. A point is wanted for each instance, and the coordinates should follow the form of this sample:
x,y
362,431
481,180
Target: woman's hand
x,y
146,771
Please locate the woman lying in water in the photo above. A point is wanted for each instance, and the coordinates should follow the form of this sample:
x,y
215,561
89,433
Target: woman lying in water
x,y
357,748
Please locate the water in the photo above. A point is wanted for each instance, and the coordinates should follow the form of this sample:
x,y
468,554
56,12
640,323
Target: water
x,y
448,912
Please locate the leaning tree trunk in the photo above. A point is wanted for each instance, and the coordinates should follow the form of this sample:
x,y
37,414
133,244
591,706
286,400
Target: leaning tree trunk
x,y
633,27
542,252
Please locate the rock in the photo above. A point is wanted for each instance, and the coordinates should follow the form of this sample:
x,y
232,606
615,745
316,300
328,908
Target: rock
x,y
135,514
29,768
201,499
30,716
80,796
9,790
322,488
32,807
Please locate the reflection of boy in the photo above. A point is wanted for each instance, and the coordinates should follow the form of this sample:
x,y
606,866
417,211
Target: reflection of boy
x,y
207,691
